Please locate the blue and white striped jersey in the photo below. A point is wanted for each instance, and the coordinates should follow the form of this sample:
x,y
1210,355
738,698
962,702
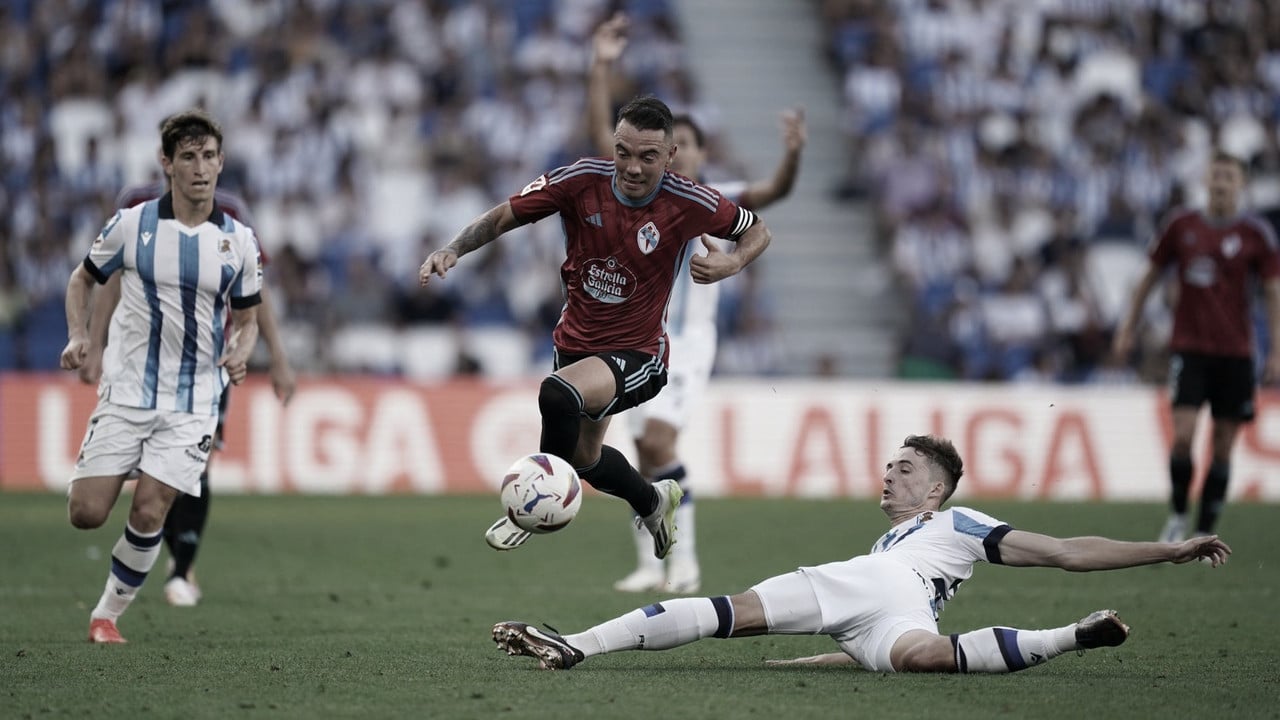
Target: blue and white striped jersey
x,y
167,331
693,306
943,545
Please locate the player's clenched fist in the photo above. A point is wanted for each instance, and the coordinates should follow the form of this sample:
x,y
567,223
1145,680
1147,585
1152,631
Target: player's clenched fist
x,y
73,354
437,263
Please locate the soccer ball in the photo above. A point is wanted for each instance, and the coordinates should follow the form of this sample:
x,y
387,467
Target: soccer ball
x,y
541,493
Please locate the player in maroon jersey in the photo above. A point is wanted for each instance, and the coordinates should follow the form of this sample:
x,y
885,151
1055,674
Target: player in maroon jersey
x,y
627,223
1216,253
657,425
184,525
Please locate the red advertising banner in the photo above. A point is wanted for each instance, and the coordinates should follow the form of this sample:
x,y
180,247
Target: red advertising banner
x,y
366,435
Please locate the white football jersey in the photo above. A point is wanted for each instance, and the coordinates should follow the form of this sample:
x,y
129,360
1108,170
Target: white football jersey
x,y
942,546
167,332
693,306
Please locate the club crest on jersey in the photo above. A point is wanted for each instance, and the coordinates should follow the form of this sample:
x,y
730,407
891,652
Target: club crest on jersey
x,y
534,186
647,238
1231,246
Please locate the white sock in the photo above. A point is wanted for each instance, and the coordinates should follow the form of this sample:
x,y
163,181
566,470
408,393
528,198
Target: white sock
x,y
684,550
645,560
661,626
131,559
1001,649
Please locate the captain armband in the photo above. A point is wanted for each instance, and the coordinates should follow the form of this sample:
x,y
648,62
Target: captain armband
x,y
742,223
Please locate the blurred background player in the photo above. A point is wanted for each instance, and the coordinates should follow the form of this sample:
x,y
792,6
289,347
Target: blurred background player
x,y
184,262
626,223
879,607
691,316
185,523
1217,253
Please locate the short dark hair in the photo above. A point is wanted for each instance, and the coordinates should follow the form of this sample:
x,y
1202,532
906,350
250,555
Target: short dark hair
x,y
942,453
1222,156
688,121
647,113
185,126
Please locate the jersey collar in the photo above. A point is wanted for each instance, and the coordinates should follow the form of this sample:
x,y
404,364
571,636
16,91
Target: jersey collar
x,y
613,185
166,210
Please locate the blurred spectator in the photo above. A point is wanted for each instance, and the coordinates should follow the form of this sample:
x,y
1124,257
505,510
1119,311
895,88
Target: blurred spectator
x,y
1050,127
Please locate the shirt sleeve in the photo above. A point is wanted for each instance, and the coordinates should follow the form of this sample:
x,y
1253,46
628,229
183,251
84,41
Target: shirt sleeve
x,y
1268,263
106,255
246,289
1161,250
981,532
542,197
729,220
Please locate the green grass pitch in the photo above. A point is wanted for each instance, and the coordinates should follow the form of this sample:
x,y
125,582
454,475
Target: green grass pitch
x,y
328,607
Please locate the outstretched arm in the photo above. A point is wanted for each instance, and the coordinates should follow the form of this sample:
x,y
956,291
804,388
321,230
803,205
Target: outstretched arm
x,y
824,659
1082,554
607,45
482,231
765,192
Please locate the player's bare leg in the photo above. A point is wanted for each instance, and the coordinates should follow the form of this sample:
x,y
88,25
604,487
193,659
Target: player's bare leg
x,y
136,551
1180,473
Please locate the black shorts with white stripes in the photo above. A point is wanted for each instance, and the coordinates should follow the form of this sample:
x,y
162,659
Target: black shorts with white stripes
x,y
638,376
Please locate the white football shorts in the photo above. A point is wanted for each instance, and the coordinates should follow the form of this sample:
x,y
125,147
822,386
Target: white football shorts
x,y
172,447
692,356
865,604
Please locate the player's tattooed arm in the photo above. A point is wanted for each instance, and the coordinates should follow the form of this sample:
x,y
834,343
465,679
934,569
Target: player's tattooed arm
x,y
480,232
484,230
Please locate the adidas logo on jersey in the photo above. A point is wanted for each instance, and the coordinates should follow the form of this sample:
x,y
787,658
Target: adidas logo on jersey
x,y
596,220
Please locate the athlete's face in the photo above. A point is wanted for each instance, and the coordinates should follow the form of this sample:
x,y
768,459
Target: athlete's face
x,y
1226,181
689,154
194,168
641,157
909,485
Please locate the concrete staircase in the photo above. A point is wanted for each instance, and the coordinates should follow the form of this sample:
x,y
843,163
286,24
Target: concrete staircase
x,y
831,291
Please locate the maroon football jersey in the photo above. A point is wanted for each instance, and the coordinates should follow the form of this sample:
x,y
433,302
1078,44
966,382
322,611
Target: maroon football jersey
x,y
226,201
1214,262
622,255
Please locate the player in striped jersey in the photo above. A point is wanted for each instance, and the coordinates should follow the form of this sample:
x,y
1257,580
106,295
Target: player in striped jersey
x,y
184,525
184,263
882,608
656,424
627,222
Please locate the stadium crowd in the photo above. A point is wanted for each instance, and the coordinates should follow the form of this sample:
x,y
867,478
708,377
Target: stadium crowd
x,y
362,138
1019,156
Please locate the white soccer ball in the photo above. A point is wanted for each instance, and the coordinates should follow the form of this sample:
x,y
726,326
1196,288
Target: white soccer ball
x,y
541,493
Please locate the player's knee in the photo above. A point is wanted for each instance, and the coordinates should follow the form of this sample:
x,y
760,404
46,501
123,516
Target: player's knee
x,y
557,398
925,655
649,449
147,518
87,513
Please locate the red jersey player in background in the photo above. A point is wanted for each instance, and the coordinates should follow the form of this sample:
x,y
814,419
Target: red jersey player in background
x,y
1216,254
184,525
627,225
